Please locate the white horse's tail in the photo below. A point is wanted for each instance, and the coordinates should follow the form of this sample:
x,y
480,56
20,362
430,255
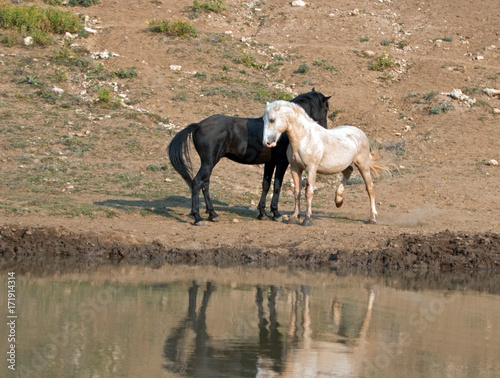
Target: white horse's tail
x,y
378,166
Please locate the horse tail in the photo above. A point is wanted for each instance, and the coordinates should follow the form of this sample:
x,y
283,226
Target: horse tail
x,y
178,152
378,166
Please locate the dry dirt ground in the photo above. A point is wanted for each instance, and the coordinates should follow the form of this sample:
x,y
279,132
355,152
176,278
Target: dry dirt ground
x,y
440,209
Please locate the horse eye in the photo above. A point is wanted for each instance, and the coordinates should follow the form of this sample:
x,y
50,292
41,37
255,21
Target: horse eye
x,y
271,120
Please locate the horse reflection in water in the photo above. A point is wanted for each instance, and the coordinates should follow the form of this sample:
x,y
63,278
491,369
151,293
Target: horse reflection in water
x,y
295,354
343,356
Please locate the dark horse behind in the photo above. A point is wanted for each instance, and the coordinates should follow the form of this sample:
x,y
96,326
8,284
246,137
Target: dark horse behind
x,y
238,139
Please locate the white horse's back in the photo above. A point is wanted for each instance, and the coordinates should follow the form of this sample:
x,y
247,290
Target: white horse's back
x,y
343,145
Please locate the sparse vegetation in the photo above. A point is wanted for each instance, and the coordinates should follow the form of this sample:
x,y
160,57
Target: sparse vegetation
x,y
215,6
364,39
382,62
441,108
104,95
303,68
36,22
249,60
126,73
181,29
73,3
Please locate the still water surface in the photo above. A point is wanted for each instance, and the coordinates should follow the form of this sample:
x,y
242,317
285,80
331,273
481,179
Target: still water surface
x,y
180,321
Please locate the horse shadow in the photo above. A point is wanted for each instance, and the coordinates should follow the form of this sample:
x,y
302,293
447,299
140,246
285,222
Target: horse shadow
x,y
172,207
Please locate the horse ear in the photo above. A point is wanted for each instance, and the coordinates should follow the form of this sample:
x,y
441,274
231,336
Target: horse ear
x,y
327,98
313,90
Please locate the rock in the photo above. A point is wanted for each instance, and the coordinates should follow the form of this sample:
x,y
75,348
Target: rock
x,y
355,12
492,162
28,41
174,67
59,91
492,92
298,3
496,111
368,53
89,30
458,95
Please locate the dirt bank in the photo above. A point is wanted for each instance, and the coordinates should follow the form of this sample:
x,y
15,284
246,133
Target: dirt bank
x,y
440,251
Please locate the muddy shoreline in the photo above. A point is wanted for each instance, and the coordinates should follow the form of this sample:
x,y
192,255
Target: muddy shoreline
x,y
442,251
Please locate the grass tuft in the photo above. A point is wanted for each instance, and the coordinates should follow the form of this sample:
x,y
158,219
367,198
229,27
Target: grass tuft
x,y
181,29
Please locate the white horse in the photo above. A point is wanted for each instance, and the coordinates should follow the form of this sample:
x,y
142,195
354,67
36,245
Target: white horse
x,y
318,150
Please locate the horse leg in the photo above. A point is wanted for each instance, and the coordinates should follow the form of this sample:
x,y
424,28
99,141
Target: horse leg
x,y
266,184
212,215
311,181
200,181
297,182
364,169
339,194
278,182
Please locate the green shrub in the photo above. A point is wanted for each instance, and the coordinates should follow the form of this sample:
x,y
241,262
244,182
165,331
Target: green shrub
x,y
74,3
249,60
303,68
382,62
216,6
104,95
126,73
441,108
181,29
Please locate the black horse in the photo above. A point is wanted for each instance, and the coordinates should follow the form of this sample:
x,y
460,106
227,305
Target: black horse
x,y
238,139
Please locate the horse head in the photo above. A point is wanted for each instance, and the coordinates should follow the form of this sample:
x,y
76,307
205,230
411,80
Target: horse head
x,y
274,122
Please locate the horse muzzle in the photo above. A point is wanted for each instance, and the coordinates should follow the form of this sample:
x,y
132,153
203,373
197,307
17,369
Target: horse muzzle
x,y
270,145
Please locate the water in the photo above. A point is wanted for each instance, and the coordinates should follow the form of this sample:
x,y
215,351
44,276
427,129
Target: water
x,y
135,321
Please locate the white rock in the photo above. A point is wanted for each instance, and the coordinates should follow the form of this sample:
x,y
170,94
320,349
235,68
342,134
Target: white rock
x,y
492,162
496,111
298,3
59,91
492,92
69,35
89,30
355,12
174,67
28,41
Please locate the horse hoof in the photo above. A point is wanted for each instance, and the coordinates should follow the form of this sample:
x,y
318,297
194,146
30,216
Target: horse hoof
x,y
262,217
372,221
199,223
339,203
293,220
307,222
279,218
214,219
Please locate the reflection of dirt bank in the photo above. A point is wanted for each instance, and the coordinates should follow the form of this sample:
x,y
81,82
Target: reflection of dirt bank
x,y
442,251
